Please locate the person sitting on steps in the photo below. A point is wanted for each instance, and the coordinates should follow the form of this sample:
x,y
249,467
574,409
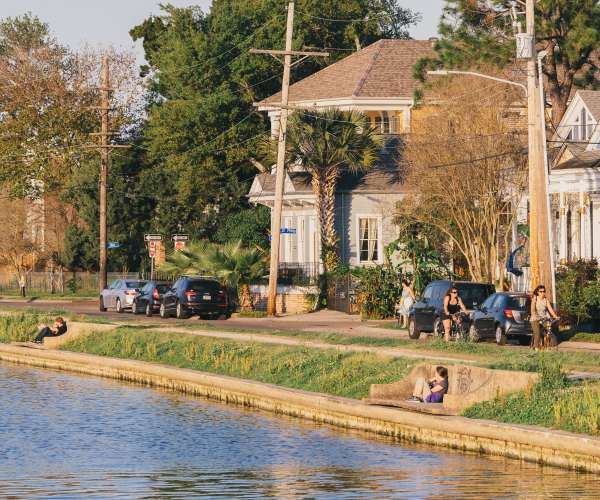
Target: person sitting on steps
x,y
433,390
60,328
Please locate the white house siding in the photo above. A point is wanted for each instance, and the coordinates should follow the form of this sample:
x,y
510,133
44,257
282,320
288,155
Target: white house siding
x,y
351,207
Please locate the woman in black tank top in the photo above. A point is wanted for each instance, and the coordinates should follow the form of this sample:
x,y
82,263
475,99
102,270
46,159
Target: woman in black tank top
x,y
453,304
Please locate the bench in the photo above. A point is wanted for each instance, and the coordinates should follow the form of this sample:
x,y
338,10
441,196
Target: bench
x,y
467,385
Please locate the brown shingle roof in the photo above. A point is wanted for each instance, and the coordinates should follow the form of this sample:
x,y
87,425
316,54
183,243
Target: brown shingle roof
x,y
592,101
585,159
383,69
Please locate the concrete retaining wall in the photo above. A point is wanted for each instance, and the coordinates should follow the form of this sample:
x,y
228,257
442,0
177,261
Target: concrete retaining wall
x,y
533,444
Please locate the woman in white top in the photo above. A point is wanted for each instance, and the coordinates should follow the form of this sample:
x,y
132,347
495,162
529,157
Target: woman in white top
x,y
540,309
408,299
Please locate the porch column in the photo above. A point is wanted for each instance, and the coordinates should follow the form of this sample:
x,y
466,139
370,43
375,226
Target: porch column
x,y
563,252
584,226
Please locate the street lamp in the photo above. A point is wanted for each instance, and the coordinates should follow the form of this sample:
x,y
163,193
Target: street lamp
x,y
538,162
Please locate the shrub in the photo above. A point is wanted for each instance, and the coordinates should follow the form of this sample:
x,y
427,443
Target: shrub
x,y
578,291
378,290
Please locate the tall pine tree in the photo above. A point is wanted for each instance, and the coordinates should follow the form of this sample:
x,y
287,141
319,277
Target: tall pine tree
x,y
479,33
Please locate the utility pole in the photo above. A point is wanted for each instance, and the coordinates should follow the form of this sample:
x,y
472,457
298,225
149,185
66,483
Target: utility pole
x,y
104,89
105,149
540,251
280,172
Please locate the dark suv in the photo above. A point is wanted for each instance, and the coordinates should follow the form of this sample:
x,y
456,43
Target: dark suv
x,y
426,314
195,295
149,298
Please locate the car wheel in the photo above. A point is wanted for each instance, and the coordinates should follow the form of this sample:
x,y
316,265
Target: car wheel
x,y
413,331
118,306
474,335
501,337
163,311
148,309
134,308
438,327
180,312
102,307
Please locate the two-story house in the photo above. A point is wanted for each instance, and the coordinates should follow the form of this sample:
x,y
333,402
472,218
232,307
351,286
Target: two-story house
x,y
377,81
575,180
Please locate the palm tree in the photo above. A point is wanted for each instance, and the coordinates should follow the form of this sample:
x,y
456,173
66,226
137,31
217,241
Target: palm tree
x,y
328,144
235,265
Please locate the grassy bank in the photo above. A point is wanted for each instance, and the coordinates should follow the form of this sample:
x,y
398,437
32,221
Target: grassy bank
x,y
22,327
330,372
553,402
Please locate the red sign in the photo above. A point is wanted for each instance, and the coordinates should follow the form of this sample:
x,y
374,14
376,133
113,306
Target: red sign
x,y
152,249
179,245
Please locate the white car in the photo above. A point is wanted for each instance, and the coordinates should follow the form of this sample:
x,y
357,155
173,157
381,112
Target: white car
x,y
120,294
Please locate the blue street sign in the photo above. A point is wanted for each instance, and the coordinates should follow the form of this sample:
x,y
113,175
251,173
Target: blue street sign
x,y
287,230
113,244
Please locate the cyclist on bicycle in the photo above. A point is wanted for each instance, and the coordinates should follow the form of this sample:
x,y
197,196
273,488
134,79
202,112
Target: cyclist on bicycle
x,y
541,309
453,305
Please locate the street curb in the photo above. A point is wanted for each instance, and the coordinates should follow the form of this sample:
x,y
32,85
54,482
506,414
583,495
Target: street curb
x,y
528,443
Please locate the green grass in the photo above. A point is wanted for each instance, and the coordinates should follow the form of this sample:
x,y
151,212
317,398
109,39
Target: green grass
x,y
585,337
49,296
553,402
251,314
327,371
22,327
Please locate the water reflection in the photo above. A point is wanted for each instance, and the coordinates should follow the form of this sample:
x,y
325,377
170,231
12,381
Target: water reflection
x,y
71,436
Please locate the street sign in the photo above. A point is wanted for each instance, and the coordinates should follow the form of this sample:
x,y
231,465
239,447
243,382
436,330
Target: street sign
x,y
287,230
153,237
152,248
113,244
179,245
181,237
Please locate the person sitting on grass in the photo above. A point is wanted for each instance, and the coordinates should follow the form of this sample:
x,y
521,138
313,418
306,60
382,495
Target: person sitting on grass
x,y
60,328
433,390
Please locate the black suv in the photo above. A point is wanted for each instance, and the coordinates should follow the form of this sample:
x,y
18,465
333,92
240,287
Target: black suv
x,y
195,295
426,314
149,298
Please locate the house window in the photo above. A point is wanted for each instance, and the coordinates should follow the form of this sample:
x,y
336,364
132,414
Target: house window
x,y
369,239
584,135
386,123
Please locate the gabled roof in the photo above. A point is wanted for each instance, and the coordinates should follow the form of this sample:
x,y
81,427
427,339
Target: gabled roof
x,y
384,69
591,98
582,159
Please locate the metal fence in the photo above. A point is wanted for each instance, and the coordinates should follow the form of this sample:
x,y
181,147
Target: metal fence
x,y
59,281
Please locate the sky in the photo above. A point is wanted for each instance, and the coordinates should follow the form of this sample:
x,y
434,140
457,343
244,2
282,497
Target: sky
x,y
107,22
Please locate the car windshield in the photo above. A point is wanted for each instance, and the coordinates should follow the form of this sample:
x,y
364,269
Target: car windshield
x,y
204,286
473,294
517,303
135,284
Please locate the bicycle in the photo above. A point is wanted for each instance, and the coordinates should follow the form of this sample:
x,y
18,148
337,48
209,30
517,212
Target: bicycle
x,y
459,327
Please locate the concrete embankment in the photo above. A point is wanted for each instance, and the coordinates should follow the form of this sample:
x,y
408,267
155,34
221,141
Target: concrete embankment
x,y
533,444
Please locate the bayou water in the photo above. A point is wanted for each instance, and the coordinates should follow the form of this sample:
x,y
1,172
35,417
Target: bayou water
x,y
70,436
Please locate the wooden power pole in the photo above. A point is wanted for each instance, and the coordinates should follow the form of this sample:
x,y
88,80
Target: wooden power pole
x,y
105,147
104,157
540,251
280,172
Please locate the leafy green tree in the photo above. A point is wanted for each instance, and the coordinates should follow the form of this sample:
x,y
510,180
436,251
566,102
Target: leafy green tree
x,y
329,143
250,225
202,126
476,33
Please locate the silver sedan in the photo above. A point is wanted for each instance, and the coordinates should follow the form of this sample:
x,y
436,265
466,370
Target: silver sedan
x,y
120,294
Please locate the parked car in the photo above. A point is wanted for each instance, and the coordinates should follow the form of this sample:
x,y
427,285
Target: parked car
x,y
195,295
426,313
502,316
148,300
120,294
